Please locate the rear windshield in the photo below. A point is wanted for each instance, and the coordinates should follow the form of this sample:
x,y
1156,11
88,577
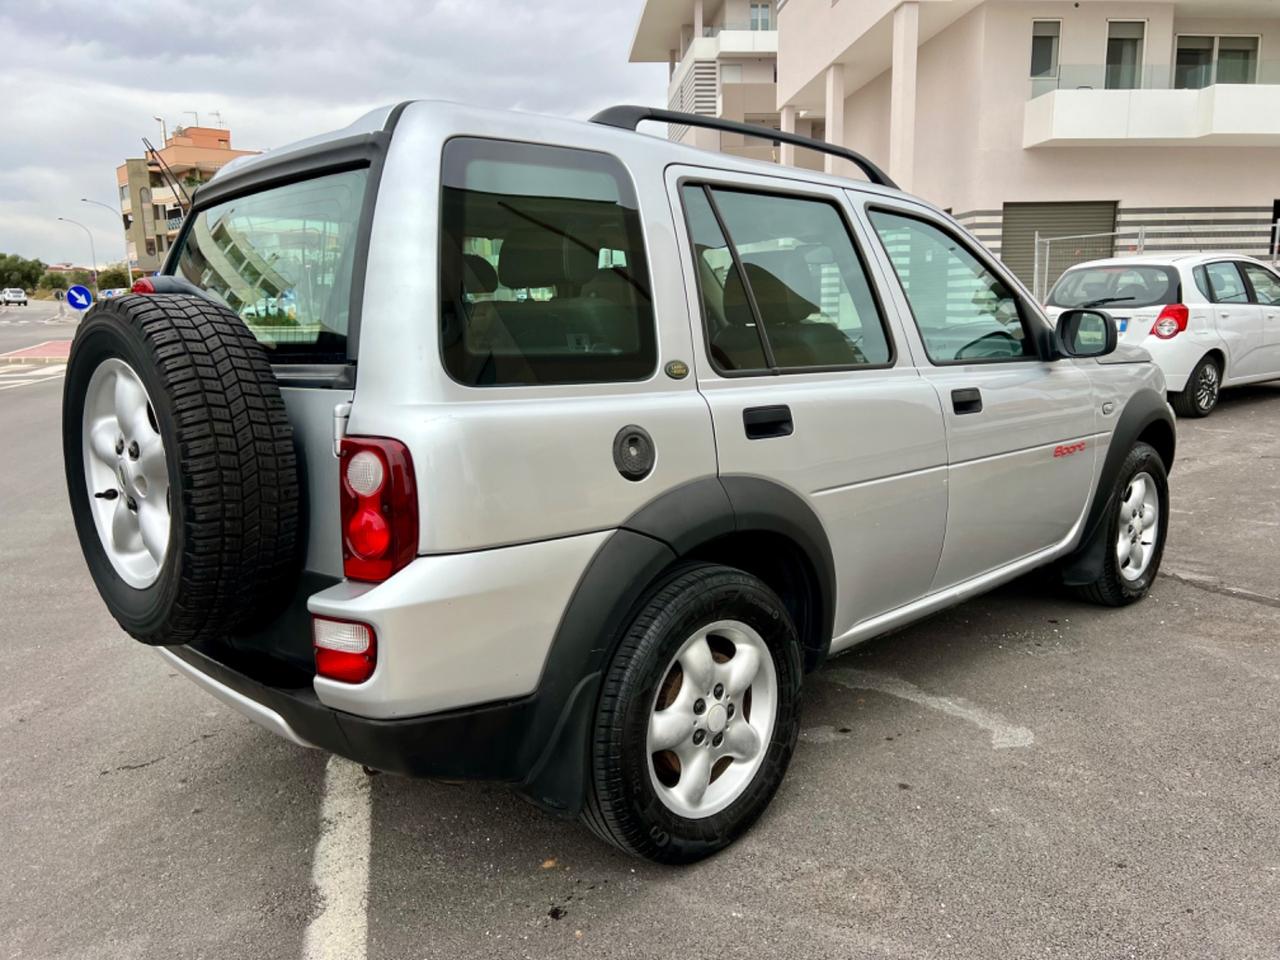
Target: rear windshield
x,y
1122,286
282,259
542,267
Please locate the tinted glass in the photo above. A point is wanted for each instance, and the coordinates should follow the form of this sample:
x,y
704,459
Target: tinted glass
x,y
1237,60
1044,48
805,279
1226,283
1124,55
1266,285
282,259
1118,286
1193,69
965,313
542,267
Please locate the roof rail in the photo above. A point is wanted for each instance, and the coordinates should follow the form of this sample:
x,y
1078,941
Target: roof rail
x,y
629,117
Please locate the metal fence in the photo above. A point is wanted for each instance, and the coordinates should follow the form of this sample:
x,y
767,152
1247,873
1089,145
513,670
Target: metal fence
x,y
1055,255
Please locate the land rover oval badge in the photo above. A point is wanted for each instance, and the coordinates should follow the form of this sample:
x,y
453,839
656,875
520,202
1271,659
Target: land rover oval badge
x,y
677,369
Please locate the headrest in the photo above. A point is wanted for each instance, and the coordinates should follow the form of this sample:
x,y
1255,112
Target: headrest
x,y
778,297
536,256
608,284
478,275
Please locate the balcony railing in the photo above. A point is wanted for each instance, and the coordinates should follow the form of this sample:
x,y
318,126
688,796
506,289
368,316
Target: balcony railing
x,y
737,27
1160,76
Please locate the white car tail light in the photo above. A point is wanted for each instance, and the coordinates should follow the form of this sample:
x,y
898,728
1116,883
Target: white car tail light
x,y
1172,321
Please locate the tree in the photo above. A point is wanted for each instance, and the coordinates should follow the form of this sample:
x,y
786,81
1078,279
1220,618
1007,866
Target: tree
x,y
113,276
16,271
54,281
81,277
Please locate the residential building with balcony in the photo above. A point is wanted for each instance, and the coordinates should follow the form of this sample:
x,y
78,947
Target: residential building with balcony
x,y
1151,124
152,209
721,58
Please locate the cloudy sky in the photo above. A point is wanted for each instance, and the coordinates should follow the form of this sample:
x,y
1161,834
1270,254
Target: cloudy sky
x,y
80,81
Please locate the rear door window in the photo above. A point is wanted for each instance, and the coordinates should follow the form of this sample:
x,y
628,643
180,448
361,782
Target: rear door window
x,y
1225,283
785,289
283,260
543,274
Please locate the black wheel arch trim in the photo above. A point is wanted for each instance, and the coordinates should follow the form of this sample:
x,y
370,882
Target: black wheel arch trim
x,y
1143,409
619,577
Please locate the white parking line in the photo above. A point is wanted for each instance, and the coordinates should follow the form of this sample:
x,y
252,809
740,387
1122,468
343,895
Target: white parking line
x,y
17,375
1003,733
340,870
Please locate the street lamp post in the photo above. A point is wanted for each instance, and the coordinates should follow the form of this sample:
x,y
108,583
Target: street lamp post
x,y
128,265
94,265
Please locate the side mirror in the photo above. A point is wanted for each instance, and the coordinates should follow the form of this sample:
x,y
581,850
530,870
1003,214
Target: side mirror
x,y
1086,333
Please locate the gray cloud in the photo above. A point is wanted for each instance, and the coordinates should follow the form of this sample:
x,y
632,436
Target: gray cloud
x,y
80,82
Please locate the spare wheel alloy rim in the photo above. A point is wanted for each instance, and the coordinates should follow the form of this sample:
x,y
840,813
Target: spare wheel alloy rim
x,y
712,719
126,473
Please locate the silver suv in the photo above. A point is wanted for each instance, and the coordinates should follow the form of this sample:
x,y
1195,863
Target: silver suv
x,y
476,444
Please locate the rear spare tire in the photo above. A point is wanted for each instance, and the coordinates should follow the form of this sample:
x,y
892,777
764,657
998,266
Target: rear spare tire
x,y
180,468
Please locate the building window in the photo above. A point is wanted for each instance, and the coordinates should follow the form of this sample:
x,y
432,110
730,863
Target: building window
x,y
761,16
1044,48
1124,54
1202,61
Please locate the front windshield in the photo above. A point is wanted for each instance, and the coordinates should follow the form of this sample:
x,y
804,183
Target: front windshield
x,y
1121,285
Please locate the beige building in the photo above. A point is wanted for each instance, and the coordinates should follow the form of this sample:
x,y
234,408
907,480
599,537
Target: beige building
x,y
721,57
1140,124
152,210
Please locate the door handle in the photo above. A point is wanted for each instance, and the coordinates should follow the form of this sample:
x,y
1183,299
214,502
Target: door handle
x,y
761,423
968,400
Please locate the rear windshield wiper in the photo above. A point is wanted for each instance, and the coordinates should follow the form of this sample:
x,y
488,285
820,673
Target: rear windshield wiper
x,y
1103,301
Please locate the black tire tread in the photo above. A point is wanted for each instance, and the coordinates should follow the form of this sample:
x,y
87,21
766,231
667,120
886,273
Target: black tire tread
x,y
238,475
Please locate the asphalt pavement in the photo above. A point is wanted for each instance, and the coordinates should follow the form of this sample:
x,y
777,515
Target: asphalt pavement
x,y
1021,776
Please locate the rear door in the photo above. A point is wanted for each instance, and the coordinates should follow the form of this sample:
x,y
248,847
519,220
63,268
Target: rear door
x,y
1264,286
806,378
1021,431
1238,321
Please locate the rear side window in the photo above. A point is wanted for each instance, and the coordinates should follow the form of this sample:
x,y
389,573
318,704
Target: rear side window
x,y
785,289
965,313
1124,286
1225,283
542,267
283,260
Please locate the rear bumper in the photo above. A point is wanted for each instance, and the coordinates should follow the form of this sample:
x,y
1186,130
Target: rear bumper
x,y
487,742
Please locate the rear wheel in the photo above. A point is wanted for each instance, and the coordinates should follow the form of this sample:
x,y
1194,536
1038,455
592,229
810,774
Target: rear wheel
x,y
698,717
1201,393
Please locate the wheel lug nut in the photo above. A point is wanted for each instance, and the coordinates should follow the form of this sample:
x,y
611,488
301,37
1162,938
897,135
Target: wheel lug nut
x,y
729,709
717,739
131,503
698,737
699,706
719,690
133,450
119,445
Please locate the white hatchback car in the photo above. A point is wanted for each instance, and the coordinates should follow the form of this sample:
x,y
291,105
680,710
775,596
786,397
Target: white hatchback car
x,y
1210,320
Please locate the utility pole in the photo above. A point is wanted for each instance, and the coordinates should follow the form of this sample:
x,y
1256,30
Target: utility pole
x,y
93,267
127,265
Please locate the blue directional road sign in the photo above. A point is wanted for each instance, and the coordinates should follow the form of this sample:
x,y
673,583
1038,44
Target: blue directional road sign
x,y
79,298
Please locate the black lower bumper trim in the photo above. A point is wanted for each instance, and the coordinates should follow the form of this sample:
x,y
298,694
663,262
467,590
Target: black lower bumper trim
x,y
489,742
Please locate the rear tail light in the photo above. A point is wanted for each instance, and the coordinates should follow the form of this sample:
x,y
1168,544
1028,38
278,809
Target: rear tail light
x,y
143,285
1172,321
379,508
345,650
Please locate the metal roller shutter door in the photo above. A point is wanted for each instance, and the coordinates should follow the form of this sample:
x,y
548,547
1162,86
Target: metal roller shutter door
x,y
1023,220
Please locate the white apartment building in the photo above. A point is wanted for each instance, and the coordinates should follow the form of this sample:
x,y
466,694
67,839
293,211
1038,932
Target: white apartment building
x,y
1142,123
722,62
